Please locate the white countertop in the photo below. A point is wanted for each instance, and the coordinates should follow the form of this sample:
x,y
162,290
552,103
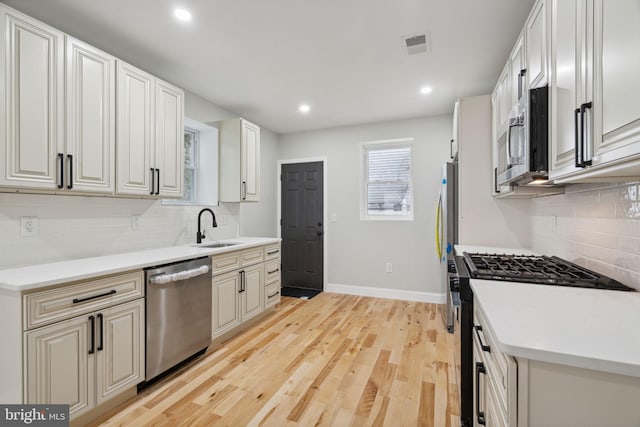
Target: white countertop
x,y
585,328
42,275
491,250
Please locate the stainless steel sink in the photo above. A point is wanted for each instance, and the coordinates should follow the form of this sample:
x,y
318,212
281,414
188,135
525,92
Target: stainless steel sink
x,y
216,245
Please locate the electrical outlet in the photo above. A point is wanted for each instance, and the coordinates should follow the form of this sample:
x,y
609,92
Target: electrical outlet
x,y
389,267
29,226
334,217
135,222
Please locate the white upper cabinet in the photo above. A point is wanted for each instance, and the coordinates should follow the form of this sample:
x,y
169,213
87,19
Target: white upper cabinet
x,y
536,46
596,119
568,25
149,134
135,98
31,102
517,72
239,161
74,119
90,142
169,149
617,80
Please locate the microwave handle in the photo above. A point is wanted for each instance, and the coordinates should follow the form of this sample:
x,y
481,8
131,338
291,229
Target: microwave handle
x,y
496,189
509,145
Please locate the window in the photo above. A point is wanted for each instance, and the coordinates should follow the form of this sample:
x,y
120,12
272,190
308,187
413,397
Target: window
x,y
190,165
191,155
387,190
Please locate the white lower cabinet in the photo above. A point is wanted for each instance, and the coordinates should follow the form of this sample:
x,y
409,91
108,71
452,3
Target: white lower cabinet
x,y
226,310
59,364
518,392
244,285
86,360
252,291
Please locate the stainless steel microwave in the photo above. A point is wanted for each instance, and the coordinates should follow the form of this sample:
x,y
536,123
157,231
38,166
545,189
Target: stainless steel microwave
x,y
523,148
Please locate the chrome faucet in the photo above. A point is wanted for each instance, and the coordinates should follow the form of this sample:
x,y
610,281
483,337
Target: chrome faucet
x,y
200,234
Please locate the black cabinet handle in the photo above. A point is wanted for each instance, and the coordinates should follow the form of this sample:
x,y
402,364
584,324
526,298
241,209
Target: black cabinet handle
x,y
153,183
92,325
244,190
273,252
583,109
483,346
70,184
241,282
100,324
78,300
520,82
578,153
479,414
158,182
274,271
61,164
451,149
271,296
496,189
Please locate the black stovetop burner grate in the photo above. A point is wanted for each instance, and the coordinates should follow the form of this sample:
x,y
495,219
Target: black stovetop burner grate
x,y
537,269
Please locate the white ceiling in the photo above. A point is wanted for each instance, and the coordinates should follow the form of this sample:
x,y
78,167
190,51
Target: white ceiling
x,y
345,58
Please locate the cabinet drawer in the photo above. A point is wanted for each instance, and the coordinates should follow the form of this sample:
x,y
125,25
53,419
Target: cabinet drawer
x,y
501,368
226,262
251,256
272,271
42,308
272,294
272,252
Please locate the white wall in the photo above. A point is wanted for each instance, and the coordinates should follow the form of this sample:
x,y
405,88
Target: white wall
x,y
485,220
79,226
596,226
358,250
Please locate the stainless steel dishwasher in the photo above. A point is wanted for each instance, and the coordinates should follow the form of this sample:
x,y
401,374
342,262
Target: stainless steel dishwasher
x,y
178,313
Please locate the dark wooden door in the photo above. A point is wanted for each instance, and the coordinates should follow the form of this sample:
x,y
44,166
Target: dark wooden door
x,y
302,229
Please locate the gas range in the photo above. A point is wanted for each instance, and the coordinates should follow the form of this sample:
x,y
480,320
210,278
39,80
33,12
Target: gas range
x,y
542,270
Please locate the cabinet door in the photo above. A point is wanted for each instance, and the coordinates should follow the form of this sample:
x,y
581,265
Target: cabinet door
x,y
225,304
536,47
134,91
503,97
568,21
90,149
252,297
517,74
59,368
31,107
617,79
250,158
169,151
119,349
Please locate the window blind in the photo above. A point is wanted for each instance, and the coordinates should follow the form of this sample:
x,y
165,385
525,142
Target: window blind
x,y
388,181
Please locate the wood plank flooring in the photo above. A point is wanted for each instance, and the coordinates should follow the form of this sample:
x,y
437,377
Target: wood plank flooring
x,y
334,360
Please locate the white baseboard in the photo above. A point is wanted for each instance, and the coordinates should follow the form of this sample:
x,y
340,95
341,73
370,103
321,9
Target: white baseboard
x,y
367,291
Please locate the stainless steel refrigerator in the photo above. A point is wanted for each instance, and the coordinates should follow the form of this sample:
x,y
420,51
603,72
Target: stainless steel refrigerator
x,y
447,237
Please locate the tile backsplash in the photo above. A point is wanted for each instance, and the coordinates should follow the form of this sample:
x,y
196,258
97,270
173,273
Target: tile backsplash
x,y
71,227
594,225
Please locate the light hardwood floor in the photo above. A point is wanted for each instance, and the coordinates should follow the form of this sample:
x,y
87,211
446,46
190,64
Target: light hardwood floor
x,y
333,360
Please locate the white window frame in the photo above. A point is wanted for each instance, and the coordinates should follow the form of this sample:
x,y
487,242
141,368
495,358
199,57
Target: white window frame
x,y
365,147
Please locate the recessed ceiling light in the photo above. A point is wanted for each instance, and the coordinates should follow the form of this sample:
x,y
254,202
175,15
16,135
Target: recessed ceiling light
x,y
182,14
425,90
304,108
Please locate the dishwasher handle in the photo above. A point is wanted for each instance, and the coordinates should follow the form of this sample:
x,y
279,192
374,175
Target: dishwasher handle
x,y
161,279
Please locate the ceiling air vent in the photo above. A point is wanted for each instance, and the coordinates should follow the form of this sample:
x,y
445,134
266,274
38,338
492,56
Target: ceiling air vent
x,y
417,43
